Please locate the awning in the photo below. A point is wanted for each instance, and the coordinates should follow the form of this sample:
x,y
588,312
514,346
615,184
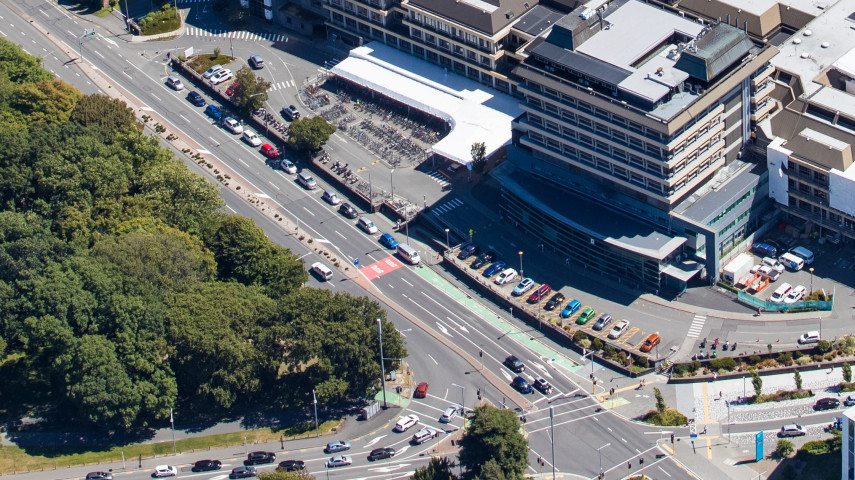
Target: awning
x,y
683,271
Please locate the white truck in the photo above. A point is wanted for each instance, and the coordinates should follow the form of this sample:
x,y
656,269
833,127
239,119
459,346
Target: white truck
x,y
737,269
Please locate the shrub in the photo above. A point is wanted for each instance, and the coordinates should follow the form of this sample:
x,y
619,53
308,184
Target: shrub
x,y
816,447
847,372
597,344
847,387
621,357
585,343
817,358
160,21
784,448
824,346
580,335
696,365
754,359
723,364
609,351
642,362
803,361
668,418
829,357
785,358
681,369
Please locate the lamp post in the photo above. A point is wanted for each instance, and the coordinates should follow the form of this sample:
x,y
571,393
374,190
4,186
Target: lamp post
x,y
600,452
462,404
382,366
447,243
811,280
552,437
317,426
728,420
521,269
392,185
820,326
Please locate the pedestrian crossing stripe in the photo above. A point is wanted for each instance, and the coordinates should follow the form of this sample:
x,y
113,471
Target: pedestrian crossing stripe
x,y
447,206
438,177
697,326
235,35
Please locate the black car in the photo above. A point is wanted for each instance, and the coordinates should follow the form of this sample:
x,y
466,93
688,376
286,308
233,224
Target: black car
x,y
196,99
483,259
258,458
348,211
99,476
207,465
243,472
381,453
826,404
291,465
542,386
468,251
514,364
554,302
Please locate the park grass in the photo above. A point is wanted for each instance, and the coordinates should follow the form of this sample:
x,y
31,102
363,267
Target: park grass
x,y
103,12
18,460
201,63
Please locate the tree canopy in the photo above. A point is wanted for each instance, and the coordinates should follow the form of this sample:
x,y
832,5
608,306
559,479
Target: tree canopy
x,y
493,447
250,90
309,134
127,292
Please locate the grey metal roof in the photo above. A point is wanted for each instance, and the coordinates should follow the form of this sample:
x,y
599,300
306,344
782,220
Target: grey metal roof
x,y
586,216
488,16
581,63
720,47
537,20
704,207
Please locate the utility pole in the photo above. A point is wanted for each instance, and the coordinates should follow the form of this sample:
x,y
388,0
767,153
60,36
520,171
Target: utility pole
x,y
552,437
382,366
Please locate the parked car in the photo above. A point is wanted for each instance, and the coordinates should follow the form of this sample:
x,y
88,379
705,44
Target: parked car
x,y
161,471
348,211
495,268
507,276
521,384
850,400
251,138
221,76
539,294
421,390
525,285
769,272
792,430
211,71
288,166
214,112
290,112
618,329
291,466
381,453
483,259
780,293
331,197
809,337
233,125
796,294
259,458
269,151
231,89
388,241
366,225
602,322
449,414
423,436
337,446
515,364
554,302
651,341
542,386
196,99
406,422
764,249
774,263
826,404
207,465
587,314
99,476
571,308
174,83
468,251
306,180
339,461
256,62
243,472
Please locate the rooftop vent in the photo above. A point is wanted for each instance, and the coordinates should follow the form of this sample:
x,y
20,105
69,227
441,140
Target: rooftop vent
x,y
797,41
825,45
805,55
807,33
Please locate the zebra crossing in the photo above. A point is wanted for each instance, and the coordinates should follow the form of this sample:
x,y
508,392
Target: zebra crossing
x,y
281,85
447,206
438,178
236,35
697,326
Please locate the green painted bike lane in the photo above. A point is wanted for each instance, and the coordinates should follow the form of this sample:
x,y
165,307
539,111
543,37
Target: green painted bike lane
x,y
484,314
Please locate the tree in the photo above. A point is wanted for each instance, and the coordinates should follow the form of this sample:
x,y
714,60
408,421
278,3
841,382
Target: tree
x,y
756,382
784,448
478,152
49,101
660,400
277,475
847,373
798,379
491,470
309,134
107,114
824,346
19,66
437,469
250,91
494,434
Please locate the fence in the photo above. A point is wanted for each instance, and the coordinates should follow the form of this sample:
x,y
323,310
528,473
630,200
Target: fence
x,y
768,306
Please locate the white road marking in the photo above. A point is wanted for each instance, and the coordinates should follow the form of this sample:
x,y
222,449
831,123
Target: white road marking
x,y
241,161
342,236
434,360
204,152
99,54
184,118
308,211
156,97
375,440
274,185
442,328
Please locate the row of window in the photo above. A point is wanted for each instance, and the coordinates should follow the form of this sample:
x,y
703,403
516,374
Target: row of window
x,y
806,172
806,189
732,206
442,44
452,31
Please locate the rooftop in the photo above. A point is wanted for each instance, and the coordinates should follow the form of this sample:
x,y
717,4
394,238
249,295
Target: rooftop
x,y
725,188
537,20
487,16
475,112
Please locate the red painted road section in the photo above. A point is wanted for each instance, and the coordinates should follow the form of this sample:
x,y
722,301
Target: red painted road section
x,y
381,267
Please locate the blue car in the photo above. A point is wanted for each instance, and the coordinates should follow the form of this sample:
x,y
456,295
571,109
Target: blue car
x,y
214,112
765,250
388,241
521,384
196,99
494,269
571,308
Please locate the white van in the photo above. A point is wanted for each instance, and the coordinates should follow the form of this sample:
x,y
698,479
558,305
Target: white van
x,y
803,252
793,262
322,271
781,293
809,337
307,181
409,254
796,294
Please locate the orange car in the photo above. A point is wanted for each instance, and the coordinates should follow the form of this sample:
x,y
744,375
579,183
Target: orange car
x,y
421,390
650,342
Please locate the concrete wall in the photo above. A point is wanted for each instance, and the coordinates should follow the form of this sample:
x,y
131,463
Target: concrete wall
x,y
842,190
777,160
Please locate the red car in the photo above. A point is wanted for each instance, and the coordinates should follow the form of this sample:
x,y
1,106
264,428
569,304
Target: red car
x,y
231,90
269,151
421,390
539,294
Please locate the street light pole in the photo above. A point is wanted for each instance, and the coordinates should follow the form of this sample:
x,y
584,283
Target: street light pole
x,y
462,400
382,366
728,420
447,243
392,185
811,280
552,437
521,269
600,452
317,426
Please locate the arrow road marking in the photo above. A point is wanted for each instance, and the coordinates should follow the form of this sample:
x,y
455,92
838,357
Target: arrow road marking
x,y
442,328
389,469
375,440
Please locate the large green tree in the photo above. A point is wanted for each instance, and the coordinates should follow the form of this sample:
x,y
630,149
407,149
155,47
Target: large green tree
x,y
309,134
494,434
439,468
250,91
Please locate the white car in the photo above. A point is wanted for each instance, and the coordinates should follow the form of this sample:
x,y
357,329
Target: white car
x,y
769,272
221,76
507,276
423,436
406,422
796,294
174,83
288,166
449,413
164,471
211,71
251,138
339,461
618,329
233,125
792,430
774,263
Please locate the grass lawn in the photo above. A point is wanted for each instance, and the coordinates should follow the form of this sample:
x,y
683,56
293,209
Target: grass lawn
x,y
15,459
204,62
103,12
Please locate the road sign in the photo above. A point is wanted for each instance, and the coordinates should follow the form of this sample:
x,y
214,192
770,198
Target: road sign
x,y
89,32
758,451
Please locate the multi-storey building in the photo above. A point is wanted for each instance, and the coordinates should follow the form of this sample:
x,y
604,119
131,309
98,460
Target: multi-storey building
x,y
643,115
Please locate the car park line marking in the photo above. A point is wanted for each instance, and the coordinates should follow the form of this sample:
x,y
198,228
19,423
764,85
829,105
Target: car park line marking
x,y
434,360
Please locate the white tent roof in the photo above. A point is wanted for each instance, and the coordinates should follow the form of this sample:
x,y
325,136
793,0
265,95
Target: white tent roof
x,y
476,113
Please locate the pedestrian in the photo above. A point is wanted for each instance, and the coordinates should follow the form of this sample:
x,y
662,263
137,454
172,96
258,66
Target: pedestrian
x,y
705,429
714,377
